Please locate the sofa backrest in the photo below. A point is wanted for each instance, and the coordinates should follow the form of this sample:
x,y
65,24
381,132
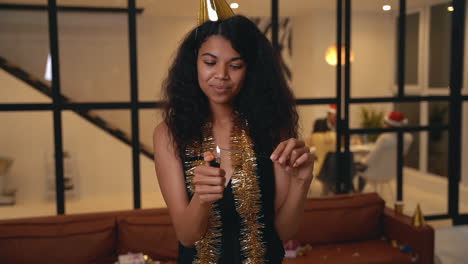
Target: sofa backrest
x,y
100,237
342,218
88,238
150,232
58,239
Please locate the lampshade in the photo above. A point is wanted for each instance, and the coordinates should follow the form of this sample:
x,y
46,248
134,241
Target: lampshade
x,y
332,54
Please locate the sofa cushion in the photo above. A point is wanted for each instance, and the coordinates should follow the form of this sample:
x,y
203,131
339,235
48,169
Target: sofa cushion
x,y
342,218
367,252
151,235
58,240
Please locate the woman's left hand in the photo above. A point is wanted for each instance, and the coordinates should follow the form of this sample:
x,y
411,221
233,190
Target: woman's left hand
x,y
295,158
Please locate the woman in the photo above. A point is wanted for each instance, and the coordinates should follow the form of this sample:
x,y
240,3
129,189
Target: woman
x,y
226,88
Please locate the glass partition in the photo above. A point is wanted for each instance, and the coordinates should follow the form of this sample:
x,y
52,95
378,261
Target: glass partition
x,y
150,192
313,47
318,132
440,30
159,36
94,56
438,141
463,200
412,49
424,160
424,187
97,163
26,183
16,90
465,62
373,48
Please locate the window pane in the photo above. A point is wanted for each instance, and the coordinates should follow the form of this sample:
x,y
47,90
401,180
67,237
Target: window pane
x,y
24,46
317,133
94,56
150,191
99,164
25,189
313,33
412,49
440,46
14,90
373,49
465,61
438,140
412,112
464,175
154,55
420,184
372,116
426,188
115,120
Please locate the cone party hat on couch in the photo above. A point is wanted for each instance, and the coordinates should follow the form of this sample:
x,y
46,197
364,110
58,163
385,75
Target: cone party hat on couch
x,y
214,10
418,217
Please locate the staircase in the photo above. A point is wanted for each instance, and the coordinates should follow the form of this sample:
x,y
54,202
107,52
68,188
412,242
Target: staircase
x,y
89,115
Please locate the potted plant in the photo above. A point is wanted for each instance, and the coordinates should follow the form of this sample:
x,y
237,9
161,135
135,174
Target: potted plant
x,y
371,118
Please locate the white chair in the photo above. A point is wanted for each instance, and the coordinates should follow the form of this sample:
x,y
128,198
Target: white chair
x,y
382,161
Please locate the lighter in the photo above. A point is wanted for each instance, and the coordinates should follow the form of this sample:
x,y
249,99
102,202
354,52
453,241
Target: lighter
x,y
217,161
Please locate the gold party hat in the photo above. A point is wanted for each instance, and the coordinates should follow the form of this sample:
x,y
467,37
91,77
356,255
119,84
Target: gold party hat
x,y
214,10
418,217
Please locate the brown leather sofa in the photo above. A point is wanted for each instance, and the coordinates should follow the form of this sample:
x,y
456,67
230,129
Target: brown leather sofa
x,y
341,229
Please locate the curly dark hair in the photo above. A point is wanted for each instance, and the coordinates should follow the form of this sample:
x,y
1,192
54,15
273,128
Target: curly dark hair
x,y
264,100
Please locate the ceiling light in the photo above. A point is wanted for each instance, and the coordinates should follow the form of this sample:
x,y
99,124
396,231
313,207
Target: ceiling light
x,y
386,8
331,55
450,8
234,5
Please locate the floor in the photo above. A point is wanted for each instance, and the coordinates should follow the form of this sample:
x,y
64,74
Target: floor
x,y
451,244
427,190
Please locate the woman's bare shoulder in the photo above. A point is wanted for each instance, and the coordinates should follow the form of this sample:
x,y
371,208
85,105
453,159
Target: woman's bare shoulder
x,y
162,140
161,130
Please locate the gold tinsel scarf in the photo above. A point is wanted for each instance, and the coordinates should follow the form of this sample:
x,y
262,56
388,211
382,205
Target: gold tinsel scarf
x,y
247,197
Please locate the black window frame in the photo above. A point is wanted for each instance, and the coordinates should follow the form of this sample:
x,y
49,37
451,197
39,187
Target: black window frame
x,y
342,99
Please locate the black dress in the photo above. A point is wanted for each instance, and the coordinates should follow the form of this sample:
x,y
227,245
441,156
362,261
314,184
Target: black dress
x,y
241,225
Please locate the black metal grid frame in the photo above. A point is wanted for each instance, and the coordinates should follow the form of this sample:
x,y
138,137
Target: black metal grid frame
x,y
455,98
59,104
26,7
343,99
56,103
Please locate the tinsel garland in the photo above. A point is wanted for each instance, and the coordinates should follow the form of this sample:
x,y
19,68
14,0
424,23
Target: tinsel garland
x,y
247,197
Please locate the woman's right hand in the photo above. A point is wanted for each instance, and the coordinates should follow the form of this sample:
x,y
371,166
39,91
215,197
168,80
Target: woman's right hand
x,y
209,181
